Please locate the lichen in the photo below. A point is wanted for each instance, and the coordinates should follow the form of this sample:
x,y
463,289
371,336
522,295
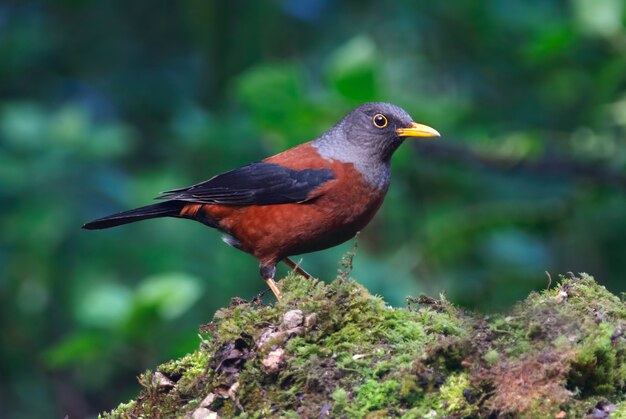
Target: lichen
x,y
337,350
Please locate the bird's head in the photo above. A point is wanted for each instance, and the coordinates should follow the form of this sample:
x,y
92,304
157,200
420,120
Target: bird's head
x,y
382,127
371,133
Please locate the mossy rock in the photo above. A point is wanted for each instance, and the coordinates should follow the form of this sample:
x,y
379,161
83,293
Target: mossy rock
x,y
336,350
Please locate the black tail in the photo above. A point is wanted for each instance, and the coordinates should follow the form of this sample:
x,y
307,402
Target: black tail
x,y
162,209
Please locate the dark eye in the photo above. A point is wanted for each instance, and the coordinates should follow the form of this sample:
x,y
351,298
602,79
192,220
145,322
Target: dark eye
x,y
380,120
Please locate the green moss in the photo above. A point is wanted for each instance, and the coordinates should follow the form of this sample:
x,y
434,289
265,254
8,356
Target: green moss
x,y
620,411
351,355
341,401
598,368
491,357
452,396
123,410
375,395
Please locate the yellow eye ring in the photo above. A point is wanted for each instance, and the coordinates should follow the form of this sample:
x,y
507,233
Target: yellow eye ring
x,y
380,120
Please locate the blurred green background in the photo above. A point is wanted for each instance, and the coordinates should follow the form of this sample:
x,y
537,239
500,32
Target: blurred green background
x,y
105,103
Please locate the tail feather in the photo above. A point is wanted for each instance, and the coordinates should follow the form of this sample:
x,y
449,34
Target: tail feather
x,y
162,209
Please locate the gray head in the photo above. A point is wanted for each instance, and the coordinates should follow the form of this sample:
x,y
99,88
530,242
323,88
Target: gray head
x,y
368,136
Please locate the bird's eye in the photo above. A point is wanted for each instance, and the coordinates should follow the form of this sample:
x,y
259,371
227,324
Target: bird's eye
x,y
380,120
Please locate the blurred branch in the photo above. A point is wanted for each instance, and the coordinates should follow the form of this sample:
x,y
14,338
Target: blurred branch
x,y
553,165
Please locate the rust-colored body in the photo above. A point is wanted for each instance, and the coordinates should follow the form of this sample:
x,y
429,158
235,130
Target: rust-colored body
x,y
332,213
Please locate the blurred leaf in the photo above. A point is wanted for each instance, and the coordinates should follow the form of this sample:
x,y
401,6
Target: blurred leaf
x,y
352,70
618,111
104,305
279,103
69,126
550,44
271,90
23,125
515,146
588,144
600,17
79,347
171,294
27,126
111,140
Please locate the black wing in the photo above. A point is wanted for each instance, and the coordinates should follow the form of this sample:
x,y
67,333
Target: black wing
x,y
255,184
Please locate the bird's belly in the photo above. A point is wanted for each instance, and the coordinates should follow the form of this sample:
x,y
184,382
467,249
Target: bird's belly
x,y
318,233
273,232
279,231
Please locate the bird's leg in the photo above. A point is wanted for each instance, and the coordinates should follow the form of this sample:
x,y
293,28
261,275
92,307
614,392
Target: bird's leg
x,y
293,265
268,272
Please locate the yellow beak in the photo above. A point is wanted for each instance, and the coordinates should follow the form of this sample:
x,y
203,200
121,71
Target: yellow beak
x,y
417,130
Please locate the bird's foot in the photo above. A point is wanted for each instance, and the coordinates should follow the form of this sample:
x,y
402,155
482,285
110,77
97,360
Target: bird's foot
x,y
296,267
274,287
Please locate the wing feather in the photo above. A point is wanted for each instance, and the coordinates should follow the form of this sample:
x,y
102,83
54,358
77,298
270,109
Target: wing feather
x,y
258,183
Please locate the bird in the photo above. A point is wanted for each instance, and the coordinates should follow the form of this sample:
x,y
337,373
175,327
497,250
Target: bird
x,y
311,197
